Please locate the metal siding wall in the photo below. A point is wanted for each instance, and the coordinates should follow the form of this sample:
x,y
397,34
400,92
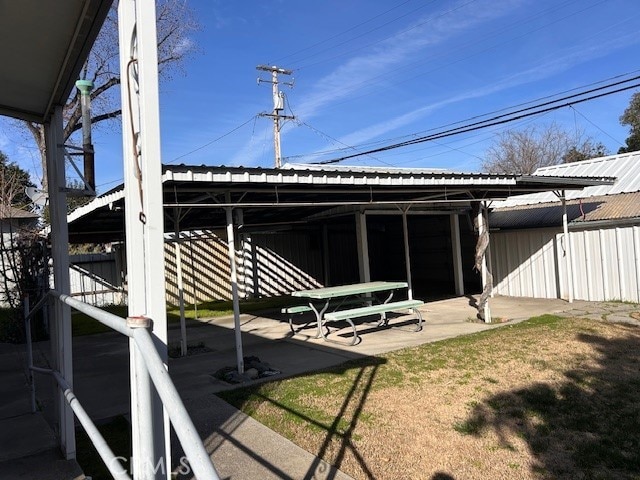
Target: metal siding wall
x,y
532,263
205,268
286,262
524,263
94,279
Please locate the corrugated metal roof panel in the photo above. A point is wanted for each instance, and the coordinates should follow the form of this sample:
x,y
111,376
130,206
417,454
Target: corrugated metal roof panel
x,y
597,208
625,167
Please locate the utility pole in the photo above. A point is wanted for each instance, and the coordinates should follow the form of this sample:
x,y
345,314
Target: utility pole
x,y
278,106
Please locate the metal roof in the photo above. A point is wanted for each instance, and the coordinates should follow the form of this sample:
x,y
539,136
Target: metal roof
x,y
620,207
43,45
624,167
267,196
13,212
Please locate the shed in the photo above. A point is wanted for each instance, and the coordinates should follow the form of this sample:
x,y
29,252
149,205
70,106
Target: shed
x,y
530,257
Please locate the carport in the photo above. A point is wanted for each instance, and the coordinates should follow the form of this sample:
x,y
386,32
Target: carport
x,y
243,200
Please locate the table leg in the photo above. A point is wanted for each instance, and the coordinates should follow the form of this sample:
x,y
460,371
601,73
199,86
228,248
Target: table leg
x,y
383,315
319,317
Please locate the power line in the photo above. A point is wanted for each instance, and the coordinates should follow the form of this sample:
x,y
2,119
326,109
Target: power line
x,y
214,140
499,119
583,116
477,117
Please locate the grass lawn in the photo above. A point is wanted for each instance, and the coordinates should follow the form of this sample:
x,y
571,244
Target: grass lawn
x,y
546,398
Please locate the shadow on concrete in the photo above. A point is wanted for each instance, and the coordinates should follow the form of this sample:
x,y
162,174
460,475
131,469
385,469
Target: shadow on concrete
x,y
587,426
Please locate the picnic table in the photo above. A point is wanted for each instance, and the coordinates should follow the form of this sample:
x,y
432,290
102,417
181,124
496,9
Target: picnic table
x,y
329,303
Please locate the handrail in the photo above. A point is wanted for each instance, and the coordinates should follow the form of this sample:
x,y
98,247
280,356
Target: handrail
x,y
198,457
112,321
108,457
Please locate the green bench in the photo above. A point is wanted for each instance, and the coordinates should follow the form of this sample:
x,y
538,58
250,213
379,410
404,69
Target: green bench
x,y
295,310
381,309
300,309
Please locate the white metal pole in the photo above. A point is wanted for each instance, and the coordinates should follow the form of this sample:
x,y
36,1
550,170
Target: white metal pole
x,y
456,250
242,275
407,255
567,248
178,250
234,288
61,342
144,226
29,342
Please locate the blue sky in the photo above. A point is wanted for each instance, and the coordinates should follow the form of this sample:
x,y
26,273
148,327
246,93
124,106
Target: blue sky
x,y
370,72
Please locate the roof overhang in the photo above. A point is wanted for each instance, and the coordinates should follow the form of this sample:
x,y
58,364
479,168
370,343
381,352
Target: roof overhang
x,y
43,47
196,197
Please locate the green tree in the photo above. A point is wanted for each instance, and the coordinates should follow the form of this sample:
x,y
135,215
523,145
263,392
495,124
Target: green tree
x,y
13,181
584,151
631,117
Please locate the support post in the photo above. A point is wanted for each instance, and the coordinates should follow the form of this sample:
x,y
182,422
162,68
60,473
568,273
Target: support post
x,y
242,274
363,247
61,326
27,333
567,248
144,228
234,286
179,279
456,250
407,255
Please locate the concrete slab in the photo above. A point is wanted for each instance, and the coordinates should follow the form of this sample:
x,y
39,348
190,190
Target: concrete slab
x,y
46,466
25,435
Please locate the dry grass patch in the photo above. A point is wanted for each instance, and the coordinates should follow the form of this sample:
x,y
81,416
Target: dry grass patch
x,y
547,398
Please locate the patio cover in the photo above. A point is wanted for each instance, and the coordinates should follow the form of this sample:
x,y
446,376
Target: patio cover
x,y
267,196
44,47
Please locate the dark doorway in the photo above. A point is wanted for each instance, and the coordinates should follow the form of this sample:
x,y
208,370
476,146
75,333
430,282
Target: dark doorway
x,y
342,261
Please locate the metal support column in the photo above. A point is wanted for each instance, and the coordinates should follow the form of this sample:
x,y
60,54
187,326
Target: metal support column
x,y
567,248
144,227
240,258
234,286
456,250
179,280
363,247
407,255
61,326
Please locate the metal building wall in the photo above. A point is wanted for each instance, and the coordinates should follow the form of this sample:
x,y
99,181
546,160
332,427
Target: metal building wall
x,y
532,263
283,262
96,279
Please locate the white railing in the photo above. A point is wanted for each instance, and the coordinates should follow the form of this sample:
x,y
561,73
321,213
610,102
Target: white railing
x,y
193,447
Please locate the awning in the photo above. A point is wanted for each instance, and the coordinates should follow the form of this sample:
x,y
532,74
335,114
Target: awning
x,y
49,42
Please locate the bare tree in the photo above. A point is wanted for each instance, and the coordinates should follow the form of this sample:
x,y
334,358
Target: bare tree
x,y
175,21
524,151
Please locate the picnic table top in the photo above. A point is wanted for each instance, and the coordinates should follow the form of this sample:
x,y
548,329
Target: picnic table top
x,y
346,290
